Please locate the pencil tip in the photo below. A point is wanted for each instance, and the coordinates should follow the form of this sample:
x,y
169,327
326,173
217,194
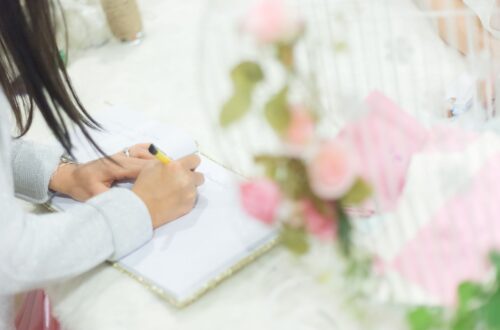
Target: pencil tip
x,y
152,149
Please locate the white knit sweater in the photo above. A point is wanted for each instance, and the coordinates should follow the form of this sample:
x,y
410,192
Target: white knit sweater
x,y
39,249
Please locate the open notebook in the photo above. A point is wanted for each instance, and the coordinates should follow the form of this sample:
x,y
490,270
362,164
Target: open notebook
x,y
191,255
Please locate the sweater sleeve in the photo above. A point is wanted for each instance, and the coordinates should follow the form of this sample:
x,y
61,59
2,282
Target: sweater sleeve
x,y
33,166
38,249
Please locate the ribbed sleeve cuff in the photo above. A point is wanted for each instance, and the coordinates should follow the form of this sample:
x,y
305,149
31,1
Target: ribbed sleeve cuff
x,y
127,217
33,166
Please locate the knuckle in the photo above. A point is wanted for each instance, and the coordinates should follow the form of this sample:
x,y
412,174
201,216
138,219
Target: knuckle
x,y
197,159
175,165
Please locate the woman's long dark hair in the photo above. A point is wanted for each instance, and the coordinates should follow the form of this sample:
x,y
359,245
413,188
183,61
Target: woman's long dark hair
x,y
29,56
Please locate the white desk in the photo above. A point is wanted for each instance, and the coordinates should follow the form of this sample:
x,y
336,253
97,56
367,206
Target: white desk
x,y
276,292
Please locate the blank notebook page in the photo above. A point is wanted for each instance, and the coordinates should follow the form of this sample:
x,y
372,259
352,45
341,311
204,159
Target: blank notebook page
x,y
189,252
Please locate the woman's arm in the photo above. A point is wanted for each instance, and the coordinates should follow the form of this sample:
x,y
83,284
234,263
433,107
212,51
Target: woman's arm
x,y
32,166
35,250
36,169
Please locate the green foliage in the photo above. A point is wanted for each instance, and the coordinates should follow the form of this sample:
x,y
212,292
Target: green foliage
x,y
247,73
277,113
245,77
359,192
344,231
235,108
295,239
495,261
285,54
478,307
425,318
289,173
490,311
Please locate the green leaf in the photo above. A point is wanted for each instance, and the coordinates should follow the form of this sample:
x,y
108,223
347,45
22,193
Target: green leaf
x,y
325,208
358,193
289,173
344,230
285,54
468,293
234,109
490,311
294,181
295,240
247,74
425,318
270,164
245,77
465,321
276,111
495,260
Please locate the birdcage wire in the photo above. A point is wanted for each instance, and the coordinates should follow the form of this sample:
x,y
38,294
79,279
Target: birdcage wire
x,y
399,47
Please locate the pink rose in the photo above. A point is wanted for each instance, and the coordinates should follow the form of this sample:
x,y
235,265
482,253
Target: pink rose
x,y
271,21
261,199
301,128
317,224
332,170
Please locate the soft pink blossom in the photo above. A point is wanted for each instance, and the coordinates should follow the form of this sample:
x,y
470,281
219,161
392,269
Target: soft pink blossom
x,y
332,170
318,224
301,128
272,21
261,199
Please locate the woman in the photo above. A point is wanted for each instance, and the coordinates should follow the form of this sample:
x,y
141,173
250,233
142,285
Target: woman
x,y
36,250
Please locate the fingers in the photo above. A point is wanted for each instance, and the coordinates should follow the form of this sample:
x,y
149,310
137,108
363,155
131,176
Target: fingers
x,y
140,151
198,179
127,167
190,162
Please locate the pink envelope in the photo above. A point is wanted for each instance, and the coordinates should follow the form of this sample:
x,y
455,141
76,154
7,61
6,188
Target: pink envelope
x,y
385,139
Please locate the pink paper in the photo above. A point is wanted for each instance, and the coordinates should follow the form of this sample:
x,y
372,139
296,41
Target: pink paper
x,y
385,139
34,313
454,245
448,138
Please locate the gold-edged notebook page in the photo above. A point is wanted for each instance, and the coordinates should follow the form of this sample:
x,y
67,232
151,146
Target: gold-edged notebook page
x,y
192,255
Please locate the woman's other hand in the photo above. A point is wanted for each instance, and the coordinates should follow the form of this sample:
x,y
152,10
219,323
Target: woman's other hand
x,y
169,191
84,181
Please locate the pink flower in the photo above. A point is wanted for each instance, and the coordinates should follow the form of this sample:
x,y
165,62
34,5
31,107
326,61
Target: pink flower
x,y
261,199
271,21
318,224
332,170
301,128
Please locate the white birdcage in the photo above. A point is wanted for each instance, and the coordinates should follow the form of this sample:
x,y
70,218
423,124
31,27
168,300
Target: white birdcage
x,y
437,65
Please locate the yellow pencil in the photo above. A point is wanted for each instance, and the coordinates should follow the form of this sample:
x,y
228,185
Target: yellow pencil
x,y
159,154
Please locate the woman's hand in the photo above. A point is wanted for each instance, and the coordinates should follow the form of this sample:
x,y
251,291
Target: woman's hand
x,y
169,191
83,181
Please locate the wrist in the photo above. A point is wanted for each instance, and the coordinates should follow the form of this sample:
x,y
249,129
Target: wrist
x,y
152,212
63,178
